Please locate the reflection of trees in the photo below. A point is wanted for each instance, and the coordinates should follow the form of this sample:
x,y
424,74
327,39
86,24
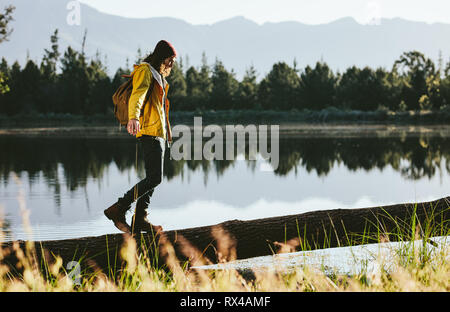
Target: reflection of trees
x,y
75,160
317,155
5,227
414,158
425,158
78,158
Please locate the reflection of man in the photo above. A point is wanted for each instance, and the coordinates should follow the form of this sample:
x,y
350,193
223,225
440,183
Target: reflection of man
x,y
152,129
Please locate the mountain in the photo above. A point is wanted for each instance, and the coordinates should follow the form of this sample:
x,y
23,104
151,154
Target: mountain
x,y
237,42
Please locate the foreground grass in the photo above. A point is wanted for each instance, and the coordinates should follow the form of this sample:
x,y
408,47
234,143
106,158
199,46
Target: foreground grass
x,y
419,264
416,268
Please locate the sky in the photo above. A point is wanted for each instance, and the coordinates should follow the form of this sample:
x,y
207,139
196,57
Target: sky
x,y
261,11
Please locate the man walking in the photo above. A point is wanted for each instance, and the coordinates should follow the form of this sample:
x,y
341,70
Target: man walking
x,y
149,122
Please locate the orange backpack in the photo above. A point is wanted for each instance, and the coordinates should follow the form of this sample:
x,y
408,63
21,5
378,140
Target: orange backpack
x,y
122,96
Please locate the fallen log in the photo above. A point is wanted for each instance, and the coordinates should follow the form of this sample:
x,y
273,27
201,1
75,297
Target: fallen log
x,y
245,239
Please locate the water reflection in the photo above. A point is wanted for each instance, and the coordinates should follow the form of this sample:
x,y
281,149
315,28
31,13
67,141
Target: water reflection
x,y
83,158
69,181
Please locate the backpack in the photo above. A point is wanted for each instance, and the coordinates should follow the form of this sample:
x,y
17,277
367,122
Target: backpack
x,y
122,96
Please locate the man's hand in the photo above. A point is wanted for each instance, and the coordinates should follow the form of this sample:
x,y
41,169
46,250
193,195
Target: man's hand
x,y
133,126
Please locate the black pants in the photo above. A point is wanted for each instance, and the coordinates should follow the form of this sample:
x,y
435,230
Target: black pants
x,y
153,149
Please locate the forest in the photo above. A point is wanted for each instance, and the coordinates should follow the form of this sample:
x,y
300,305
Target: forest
x,y
70,82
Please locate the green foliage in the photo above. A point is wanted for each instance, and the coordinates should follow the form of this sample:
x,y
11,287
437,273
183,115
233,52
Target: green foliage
x,y
3,86
178,86
445,88
279,89
81,88
49,85
195,94
77,84
415,69
317,87
50,59
224,88
30,80
5,19
100,88
74,83
364,90
247,93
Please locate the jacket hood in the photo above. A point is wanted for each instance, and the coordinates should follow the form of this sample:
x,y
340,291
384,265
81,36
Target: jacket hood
x,y
158,77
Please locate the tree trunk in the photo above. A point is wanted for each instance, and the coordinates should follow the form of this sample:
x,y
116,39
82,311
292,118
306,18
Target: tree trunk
x,y
245,239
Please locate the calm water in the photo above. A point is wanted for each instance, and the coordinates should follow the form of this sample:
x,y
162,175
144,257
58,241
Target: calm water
x,y
65,183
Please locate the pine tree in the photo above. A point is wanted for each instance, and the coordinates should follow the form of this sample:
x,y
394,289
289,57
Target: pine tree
x,y
194,91
74,83
279,89
28,89
224,87
362,89
178,88
317,87
50,59
204,82
100,88
247,94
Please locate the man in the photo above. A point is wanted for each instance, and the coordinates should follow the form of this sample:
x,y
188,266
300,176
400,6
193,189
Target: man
x,y
152,129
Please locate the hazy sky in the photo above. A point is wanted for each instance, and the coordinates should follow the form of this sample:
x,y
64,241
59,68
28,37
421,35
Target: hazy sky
x,y
260,11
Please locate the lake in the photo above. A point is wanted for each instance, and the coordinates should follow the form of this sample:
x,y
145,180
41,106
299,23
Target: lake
x,y
63,178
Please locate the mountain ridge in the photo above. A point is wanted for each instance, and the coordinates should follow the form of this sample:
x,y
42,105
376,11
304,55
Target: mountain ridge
x,y
238,41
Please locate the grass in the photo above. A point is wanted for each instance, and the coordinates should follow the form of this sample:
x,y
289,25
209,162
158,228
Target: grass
x,y
414,267
411,272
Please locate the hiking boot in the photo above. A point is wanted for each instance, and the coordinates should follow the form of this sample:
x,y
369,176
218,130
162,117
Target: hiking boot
x,y
116,214
141,224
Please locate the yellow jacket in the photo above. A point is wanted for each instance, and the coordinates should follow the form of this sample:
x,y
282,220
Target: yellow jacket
x,y
152,119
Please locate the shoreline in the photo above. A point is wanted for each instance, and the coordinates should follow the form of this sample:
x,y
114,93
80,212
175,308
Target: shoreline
x,y
325,123
286,130
325,116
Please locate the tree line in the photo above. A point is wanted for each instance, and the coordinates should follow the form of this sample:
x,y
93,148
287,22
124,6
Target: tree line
x,y
74,83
